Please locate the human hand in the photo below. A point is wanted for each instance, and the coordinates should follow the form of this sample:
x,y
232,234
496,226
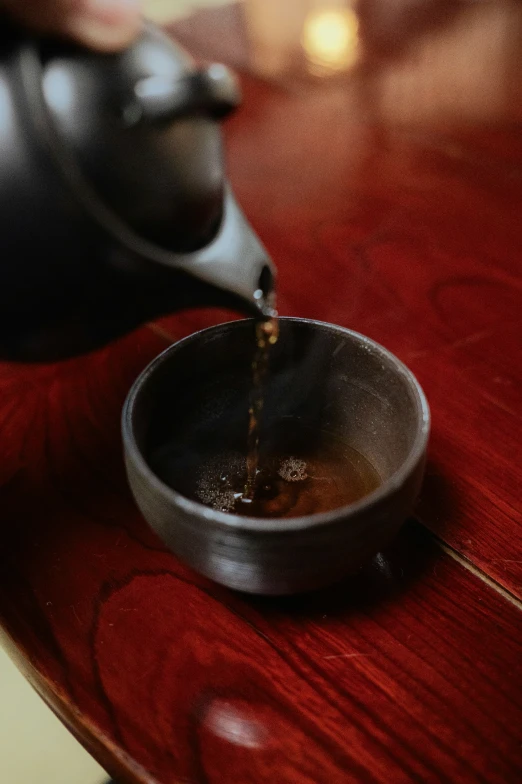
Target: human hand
x,y
106,25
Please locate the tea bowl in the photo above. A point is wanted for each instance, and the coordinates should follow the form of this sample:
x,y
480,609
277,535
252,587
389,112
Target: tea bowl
x,y
330,378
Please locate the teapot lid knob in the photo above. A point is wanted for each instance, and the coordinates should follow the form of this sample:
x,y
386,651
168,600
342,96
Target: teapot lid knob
x,y
213,91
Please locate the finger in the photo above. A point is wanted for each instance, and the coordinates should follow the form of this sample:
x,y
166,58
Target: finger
x,y
106,25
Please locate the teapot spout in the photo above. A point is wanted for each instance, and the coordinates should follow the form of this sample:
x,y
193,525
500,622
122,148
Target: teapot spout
x,y
236,263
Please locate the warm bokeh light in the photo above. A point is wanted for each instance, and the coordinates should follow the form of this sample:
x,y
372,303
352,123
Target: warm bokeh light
x,y
331,38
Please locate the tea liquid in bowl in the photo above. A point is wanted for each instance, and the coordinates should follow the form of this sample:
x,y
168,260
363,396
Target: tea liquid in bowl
x,y
301,471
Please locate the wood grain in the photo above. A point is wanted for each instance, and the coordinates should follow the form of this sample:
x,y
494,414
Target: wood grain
x,y
410,671
389,677
389,212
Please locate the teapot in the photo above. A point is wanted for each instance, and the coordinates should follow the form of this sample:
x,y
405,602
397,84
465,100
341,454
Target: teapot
x,y
114,203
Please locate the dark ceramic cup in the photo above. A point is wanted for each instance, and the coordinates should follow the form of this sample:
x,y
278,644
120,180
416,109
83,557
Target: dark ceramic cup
x,y
331,379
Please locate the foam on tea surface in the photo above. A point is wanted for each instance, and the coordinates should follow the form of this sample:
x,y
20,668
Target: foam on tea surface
x,y
304,471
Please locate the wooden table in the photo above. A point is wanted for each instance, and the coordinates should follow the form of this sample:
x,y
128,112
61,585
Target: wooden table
x,y
384,174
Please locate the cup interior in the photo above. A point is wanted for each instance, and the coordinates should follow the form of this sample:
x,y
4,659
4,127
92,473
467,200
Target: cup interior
x,y
329,379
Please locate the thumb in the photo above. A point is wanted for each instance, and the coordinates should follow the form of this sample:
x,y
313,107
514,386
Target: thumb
x,y
103,24
107,25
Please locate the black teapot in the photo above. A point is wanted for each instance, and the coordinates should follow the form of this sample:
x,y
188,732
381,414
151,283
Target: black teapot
x,y
114,204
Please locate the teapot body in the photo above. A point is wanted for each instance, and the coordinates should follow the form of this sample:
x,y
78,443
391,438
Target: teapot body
x,y
114,206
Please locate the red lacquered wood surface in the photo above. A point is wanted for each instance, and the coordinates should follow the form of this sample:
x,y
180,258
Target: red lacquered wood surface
x,y
390,197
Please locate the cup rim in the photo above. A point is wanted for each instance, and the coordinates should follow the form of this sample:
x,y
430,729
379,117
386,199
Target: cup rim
x,y
230,520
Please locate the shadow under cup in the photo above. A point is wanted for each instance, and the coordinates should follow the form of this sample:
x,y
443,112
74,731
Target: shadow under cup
x,y
194,398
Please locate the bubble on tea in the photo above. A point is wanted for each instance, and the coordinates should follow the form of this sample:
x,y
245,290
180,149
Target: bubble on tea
x,y
214,485
293,470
